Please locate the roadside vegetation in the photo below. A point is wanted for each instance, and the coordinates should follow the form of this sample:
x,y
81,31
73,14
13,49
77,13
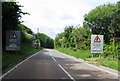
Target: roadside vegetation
x,y
87,56
103,20
30,43
45,41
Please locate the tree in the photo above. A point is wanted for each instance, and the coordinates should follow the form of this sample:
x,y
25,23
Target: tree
x,y
102,20
45,41
25,29
81,37
67,35
11,15
59,40
73,37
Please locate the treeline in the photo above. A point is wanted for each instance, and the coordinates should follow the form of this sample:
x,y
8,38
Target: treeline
x,y
45,41
30,43
11,15
73,37
103,20
11,20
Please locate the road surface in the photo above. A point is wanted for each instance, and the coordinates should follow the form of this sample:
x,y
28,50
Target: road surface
x,y
52,65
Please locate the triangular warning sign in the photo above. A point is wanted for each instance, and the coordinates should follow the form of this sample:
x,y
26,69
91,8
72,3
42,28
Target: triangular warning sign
x,y
97,39
12,35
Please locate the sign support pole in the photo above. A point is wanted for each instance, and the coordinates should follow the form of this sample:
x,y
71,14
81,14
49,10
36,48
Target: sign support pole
x,y
99,55
92,55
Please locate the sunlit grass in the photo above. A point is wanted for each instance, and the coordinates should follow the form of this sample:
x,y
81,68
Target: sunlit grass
x,y
78,53
86,55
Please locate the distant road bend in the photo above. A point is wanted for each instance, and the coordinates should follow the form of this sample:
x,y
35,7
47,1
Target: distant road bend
x,y
52,65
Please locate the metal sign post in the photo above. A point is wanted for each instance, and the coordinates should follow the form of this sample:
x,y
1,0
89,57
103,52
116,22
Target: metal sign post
x,y
13,40
97,44
92,55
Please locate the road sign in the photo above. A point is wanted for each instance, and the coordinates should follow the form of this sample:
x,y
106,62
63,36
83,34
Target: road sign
x,y
96,43
13,40
13,35
97,39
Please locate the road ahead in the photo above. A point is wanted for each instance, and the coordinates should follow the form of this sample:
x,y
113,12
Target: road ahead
x,y
52,65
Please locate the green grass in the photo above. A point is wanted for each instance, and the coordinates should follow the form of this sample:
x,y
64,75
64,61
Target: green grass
x,y
108,62
86,55
83,54
9,58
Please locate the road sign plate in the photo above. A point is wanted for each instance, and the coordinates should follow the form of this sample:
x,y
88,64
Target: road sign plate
x,y
13,40
97,39
13,35
96,43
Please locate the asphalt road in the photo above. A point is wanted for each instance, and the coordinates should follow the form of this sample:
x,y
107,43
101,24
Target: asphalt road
x,y
52,65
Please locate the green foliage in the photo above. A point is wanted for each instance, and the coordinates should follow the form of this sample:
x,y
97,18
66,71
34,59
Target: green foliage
x,y
59,40
73,37
11,15
46,42
9,58
110,63
104,20
24,29
26,38
78,53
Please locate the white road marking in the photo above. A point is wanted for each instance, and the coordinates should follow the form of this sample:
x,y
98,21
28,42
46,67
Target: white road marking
x,y
66,72
102,69
85,75
54,59
91,64
5,74
62,68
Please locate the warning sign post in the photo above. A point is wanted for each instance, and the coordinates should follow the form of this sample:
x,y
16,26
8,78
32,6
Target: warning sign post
x,y
13,40
96,43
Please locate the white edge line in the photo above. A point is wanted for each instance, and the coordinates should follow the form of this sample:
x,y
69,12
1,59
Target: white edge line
x,y
95,66
62,68
101,69
5,74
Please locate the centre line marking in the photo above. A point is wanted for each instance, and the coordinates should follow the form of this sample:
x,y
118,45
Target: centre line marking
x,y
62,68
66,72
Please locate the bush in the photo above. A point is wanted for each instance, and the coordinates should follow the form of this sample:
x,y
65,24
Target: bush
x,y
111,51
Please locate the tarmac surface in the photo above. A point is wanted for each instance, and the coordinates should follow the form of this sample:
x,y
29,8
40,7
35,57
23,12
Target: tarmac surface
x,y
51,65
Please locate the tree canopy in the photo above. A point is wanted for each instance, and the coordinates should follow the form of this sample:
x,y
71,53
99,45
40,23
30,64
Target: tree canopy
x,y
11,15
45,41
104,20
73,37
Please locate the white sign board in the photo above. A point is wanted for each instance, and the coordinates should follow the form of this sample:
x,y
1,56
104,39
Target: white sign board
x,y
96,43
13,40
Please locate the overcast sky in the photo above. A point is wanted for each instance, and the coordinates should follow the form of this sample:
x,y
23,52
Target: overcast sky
x,y
51,16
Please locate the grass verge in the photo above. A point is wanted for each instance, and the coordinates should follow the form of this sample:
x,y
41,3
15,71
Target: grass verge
x,y
86,55
9,58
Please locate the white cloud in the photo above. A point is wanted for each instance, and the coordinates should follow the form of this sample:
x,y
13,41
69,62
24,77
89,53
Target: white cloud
x,y
51,16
